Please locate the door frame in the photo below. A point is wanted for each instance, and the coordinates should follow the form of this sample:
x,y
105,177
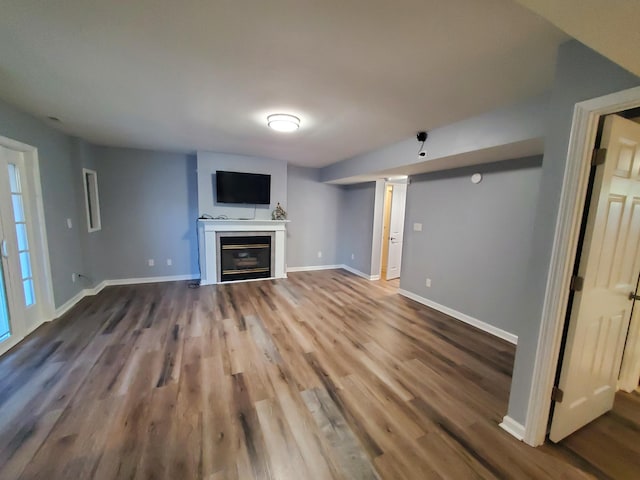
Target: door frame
x,y
584,128
378,213
385,240
394,198
38,232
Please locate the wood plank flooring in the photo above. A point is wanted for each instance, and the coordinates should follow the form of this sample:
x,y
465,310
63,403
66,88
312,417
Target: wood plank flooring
x,y
322,375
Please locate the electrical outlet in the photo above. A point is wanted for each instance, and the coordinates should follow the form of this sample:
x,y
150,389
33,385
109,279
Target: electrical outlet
x,y
151,262
169,262
319,253
74,277
428,282
417,227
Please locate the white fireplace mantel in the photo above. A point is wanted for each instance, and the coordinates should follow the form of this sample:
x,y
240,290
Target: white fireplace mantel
x,y
208,245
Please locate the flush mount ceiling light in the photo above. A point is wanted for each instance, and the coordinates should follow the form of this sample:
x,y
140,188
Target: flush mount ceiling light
x,y
283,122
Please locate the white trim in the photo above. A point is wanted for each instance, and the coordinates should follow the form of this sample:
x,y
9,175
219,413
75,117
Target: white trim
x,y
334,267
514,428
11,342
69,304
73,301
463,317
38,235
98,220
382,239
359,273
46,286
572,198
95,290
89,292
378,230
208,247
313,268
135,281
394,201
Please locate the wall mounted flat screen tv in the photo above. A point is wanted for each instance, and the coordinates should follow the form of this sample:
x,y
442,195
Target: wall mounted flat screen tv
x,y
249,188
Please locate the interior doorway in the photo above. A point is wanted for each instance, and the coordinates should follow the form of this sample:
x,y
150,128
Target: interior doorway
x,y
393,212
26,296
386,218
602,303
565,247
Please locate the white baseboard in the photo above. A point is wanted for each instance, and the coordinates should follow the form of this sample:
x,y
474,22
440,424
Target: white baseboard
x,y
511,426
69,304
334,267
313,268
135,281
88,292
97,289
359,273
463,317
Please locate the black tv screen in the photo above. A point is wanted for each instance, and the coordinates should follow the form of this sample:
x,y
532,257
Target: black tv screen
x,y
235,187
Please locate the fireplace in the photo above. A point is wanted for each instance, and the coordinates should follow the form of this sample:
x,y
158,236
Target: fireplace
x,y
211,231
245,255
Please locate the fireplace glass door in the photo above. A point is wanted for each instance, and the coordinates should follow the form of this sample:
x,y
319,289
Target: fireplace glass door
x,y
245,257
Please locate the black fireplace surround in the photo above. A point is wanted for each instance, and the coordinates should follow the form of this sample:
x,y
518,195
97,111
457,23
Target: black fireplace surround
x,y
245,257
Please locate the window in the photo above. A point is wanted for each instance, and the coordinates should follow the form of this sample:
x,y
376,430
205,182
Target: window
x,y
92,202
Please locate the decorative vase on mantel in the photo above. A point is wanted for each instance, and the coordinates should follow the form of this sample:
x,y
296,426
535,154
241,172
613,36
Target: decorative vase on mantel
x,y
279,213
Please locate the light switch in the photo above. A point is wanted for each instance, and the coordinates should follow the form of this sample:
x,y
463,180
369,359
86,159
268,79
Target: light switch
x,y
417,227
69,223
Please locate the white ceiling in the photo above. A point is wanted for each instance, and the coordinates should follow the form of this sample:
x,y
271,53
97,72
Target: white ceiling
x,y
611,28
191,75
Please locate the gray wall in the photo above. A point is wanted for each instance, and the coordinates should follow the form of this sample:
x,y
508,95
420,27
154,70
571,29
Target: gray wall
x,y
475,239
83,155
60,183
209,162
148,202
313,210
581,74
521,122
355,226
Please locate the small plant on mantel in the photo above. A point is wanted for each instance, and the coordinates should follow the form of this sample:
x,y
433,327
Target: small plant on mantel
x,y
279,213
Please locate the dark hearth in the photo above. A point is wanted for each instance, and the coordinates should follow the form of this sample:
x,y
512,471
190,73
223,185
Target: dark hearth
x,y
243,258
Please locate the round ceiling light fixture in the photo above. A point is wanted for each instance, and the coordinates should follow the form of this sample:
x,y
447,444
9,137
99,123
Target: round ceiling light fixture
x,y
283,122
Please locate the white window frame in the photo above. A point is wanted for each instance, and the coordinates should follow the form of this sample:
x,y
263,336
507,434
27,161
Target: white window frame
x,y
97,221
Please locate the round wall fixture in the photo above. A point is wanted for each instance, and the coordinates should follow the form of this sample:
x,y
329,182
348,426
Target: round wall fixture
x,y
283,122
476,178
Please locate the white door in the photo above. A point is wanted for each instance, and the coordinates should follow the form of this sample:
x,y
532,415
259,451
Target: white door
x,y
630,370
396,229
12,328
18,307
609,265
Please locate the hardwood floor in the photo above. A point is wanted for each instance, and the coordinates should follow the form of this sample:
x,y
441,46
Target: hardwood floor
x,y
608,447
322,375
